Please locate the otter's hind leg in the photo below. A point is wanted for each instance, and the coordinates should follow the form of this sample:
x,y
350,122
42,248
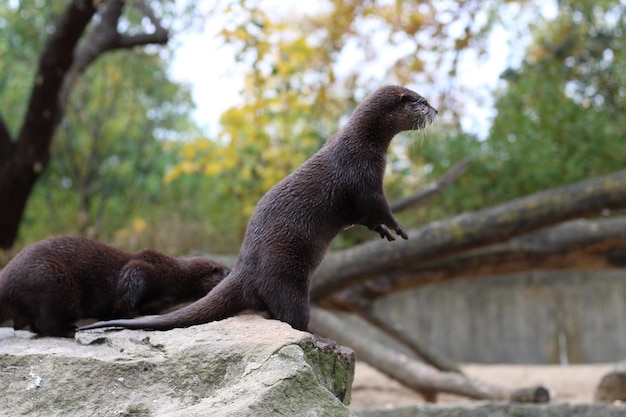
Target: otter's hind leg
x,y
53,328
54,322
293,310
20,322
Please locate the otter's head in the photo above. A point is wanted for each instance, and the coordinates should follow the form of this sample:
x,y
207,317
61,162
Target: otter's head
x,y
204,274
395,109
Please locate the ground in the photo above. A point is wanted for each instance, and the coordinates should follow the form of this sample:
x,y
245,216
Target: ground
x,y
573,383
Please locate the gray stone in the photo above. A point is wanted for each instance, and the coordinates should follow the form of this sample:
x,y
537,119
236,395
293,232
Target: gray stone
x,y
243,366
501,410
612,386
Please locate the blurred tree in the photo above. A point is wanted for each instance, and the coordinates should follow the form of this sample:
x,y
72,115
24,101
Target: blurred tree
x,y
26,138
109,154
560,119
560,115
309,68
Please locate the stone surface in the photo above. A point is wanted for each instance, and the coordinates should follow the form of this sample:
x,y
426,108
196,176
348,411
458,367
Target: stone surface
x,y
243,366
501,410
612,386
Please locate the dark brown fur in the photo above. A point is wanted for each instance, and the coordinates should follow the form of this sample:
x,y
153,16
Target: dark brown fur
x,y
292,225
55,282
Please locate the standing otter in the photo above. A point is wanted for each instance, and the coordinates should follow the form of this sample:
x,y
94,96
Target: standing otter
x,y
52,283
292,225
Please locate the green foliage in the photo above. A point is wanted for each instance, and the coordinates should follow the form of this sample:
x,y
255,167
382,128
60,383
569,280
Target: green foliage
x,y
108,155
108,158
285,118
560,117
307,70
23,26
130,168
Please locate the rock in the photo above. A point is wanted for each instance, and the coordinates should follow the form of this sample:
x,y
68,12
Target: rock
x,y
242,366
612,386
481,409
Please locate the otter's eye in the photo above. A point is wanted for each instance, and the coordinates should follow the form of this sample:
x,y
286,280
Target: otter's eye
x,y
413,100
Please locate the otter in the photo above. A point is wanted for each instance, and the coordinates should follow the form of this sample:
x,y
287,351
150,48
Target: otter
x,y
53,283
293,223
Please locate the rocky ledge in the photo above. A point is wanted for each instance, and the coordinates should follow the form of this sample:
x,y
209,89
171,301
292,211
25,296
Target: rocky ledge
x,y
243,366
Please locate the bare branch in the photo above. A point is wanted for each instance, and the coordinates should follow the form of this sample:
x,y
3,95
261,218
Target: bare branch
x,y
160,35
432,190
423,352
437,240
105,37
410,372
575,245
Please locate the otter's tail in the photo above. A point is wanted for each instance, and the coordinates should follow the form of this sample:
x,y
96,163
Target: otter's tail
x,y
224,301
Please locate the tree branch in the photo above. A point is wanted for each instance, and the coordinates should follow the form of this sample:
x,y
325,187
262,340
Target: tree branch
x,y
432,190
405,369
105,37
423,352
159,36
439,239
59,68
575,245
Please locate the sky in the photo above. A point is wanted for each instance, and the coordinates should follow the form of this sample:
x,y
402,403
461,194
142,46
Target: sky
x,y
214,78
209,67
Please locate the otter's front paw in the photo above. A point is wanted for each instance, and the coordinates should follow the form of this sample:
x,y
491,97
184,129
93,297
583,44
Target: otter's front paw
x,y
383,231
401,232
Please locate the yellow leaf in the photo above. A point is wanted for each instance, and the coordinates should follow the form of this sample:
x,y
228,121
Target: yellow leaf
x,y
139,225
189,151
171,175
212,169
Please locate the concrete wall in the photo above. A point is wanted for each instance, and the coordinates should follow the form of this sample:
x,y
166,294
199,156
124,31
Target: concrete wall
x,y
539,317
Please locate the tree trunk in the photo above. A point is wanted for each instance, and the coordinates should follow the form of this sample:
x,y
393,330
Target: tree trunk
x,y
20,168
575,245
391,329
405,369
61,62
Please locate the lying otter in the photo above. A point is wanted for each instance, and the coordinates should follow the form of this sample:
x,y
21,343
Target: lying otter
x,y
55,282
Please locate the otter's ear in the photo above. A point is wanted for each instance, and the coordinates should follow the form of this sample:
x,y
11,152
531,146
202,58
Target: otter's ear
x,y
407,98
